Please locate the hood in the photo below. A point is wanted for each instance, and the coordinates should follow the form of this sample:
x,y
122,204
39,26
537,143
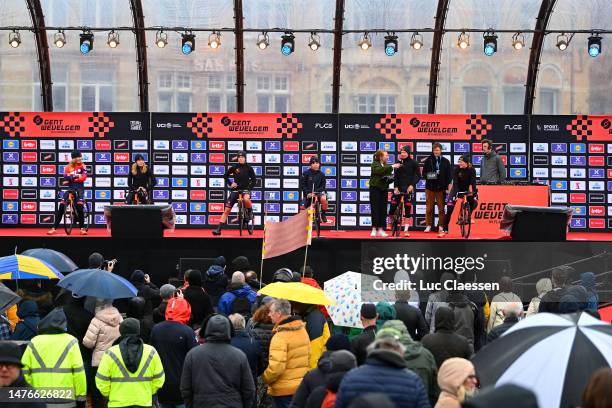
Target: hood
x,y
110,316
53,323
311,282
218,329
504,396
453,372
28,308
131,348
194,278
341,361
387,358
178,310
587,279
215,272
137,276
240,263
543,286
136,307
385,311
458,299
569,304
445,319
397,329
290,324
241,290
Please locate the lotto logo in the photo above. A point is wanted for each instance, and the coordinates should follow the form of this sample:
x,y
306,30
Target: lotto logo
x,y
215,207
596,148
217,145
28,144
122,157
597,211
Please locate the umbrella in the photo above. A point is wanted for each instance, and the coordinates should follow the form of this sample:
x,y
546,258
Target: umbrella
x,y
297,292
26,267
7,298
98,283
552,355
60,261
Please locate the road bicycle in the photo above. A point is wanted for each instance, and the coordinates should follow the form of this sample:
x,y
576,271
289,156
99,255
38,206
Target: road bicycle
x,y
465,214
399,215
245,221
136,198
71,215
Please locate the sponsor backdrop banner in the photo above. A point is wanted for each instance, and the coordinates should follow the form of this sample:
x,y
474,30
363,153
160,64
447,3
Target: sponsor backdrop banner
x,y
362,135
191,152
37,145
574,155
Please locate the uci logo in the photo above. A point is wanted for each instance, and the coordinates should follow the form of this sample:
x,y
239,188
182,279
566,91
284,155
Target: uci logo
x,y
414,122
225,121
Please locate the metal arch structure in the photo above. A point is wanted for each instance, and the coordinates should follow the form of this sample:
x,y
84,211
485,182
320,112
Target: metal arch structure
x,y
436,51
42,49
546,9
337,62
141,54
239,34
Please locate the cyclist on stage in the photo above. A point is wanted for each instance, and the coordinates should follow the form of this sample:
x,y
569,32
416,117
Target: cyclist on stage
x,y
312,184
140,181
405,178
244,179
464,180
75,174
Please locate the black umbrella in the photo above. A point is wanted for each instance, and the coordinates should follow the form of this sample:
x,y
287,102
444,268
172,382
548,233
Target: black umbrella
x,y
7,298
552,355
56,259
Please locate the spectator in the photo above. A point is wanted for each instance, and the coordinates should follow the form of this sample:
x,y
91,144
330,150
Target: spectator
x,y
457,380
252,281
512,312
409,315
385,312
445,343
136,310
550,301
317,328
242,340
260,328
436,300
543,286
307,277
240,263
146,289
96,261
384,371
5,327
166,292
239,297
467,323
360,343
173,339
130,372
283,275
324,396
28,321
372,400
215,282
33,290
289,354
201,305
52,358
11,375
597,391
418,358
497,303
11,316
587,280
504,396
216,374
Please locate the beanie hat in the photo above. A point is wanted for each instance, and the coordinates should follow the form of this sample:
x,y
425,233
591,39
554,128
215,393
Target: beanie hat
x,y
166,291
137,276
138,157
240,263
368,311
338,341
220,261
178,310
214,271
75,153
129,327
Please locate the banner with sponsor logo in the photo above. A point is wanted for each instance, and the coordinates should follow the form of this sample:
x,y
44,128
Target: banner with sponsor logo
x,y
573,154
37,145
191,152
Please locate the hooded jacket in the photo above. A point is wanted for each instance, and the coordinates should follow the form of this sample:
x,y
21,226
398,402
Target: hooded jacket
x,y
250,347
360,343
318,333
451,377
412,318
216,374
436,300
235,291
587,280
543,286
78,319
445,343
201,305
497,305
102,332
467,322
148,291
385,311
215,283
28,321
262,332
492,168
136,309
313,379
339,363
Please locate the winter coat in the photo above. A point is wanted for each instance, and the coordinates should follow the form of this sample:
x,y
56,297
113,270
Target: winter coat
x,y
360,343
289,357
445,343
587,280
497,305
492,168
412,318
216,374
201,305
452,375
385,311
497,331
262,332
239,291
467,322
159,313
384,372
379,171
550,300
543,286
250,347
435,300
445,173
78,323
215,283
324,396
148,291
318,333
28,321
313,379
102,333
503,396
136,309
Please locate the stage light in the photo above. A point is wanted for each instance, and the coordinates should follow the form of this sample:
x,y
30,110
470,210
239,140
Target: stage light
x,y
490,43
287,44
315,42
416,41
113,39
161,39
187,43
86,40
263,41
14,39
214,40
594,45
463,41
59,39
365,43
518,41
562,41
391,45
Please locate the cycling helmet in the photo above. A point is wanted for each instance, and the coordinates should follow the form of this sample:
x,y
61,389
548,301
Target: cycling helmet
x,y
75,154
283,275
314,159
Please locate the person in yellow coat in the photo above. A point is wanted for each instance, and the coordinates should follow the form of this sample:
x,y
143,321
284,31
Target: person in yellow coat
x,y
131,372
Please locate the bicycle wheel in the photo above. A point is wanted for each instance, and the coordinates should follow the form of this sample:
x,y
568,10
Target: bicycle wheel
x,y
396,223
250,224
466,224
69,218
317,219
241,217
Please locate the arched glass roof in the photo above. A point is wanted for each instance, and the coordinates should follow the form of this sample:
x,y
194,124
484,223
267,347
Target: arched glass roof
x,y
256,80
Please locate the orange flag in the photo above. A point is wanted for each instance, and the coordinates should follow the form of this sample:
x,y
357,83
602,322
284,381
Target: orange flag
x,y
286,236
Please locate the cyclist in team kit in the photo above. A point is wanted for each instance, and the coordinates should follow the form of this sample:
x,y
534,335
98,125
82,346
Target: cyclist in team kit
x,y
312,184
242,181
405,179
464,180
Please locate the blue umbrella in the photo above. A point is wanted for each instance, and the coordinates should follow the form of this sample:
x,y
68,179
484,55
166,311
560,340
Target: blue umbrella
x,y
56,259
98,283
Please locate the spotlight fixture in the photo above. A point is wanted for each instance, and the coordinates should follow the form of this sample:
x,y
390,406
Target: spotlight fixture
x,y
416,41
315,42
113,39
59,39
518,41
161,39
14,39
594,45
187,43
365,43
391,45
287,44
86,41
214,40
490,43
463,41
263,41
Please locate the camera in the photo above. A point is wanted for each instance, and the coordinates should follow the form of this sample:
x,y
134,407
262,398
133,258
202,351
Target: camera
x,y
109,264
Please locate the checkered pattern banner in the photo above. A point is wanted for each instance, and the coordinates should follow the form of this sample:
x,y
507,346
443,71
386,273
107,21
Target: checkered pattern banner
x,y
13,124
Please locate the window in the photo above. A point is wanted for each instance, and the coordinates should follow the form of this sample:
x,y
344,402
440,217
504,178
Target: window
x,y
376,104
222,97
230,82
214,103
263,103
366,103
174,92
514,99
420,103
278,95
386,104
328,103
231,103
164,80
548,101
60,89
263,83
214,82
281,83
476,99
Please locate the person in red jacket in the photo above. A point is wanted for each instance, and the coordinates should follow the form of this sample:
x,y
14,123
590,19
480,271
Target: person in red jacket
x,y
75,174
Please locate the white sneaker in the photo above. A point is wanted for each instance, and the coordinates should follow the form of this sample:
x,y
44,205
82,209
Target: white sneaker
x,y
406,226
381,233
440,230
428,228
373,233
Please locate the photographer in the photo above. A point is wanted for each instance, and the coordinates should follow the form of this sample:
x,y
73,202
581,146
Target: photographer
x,y
146,289
379,186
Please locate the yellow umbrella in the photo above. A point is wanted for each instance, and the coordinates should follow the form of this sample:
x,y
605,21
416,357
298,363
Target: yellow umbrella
x,y
297,292
26,267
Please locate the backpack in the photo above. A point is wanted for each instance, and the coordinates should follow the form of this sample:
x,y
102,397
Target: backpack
x,y
241,305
